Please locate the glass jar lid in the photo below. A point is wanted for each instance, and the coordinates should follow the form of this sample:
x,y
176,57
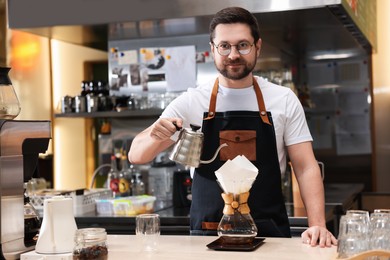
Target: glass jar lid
x,y
90,235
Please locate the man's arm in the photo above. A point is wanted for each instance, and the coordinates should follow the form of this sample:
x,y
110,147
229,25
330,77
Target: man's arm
x,y
308,175
153,140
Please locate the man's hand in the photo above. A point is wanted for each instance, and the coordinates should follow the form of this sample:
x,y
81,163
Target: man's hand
x,y
153,140
164,128
317,235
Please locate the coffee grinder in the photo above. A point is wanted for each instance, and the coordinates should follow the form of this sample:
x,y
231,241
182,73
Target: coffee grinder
x,y
21,142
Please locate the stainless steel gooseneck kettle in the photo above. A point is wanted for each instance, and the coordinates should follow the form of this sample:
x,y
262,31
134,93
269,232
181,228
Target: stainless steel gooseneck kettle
x,y
188,148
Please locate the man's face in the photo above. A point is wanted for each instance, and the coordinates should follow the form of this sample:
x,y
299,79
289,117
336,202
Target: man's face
x,y
235,66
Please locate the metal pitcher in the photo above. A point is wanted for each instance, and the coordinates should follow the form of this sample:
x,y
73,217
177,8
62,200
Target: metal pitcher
x,y
188,147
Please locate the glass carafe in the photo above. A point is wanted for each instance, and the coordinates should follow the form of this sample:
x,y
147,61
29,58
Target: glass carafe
x,y
9,103
237,225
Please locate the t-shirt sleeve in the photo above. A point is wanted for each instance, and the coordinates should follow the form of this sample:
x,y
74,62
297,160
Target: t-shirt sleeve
x,y
177,108
296,130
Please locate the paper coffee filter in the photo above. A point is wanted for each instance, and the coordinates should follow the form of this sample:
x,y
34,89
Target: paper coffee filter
x,y
237,175
243,162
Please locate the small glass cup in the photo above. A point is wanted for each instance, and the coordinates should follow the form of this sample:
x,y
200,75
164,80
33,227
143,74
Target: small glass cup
x,y
387,211
148,231
353,236
379,231
364,216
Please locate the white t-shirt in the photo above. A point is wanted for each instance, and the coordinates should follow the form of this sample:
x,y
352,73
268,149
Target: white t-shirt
x,y
287,113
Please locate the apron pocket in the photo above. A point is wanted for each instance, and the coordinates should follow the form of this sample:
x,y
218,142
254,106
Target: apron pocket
x,y
240,142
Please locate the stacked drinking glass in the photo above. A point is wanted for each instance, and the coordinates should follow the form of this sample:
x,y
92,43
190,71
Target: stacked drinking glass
x,y
361,231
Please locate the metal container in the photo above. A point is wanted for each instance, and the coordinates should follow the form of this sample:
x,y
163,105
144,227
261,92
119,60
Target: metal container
x,y
188,147
80,104
66,104
92,103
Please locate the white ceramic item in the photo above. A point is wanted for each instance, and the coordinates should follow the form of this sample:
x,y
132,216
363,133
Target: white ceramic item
x,y
57,232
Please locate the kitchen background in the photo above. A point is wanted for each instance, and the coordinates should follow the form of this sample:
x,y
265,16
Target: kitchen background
x,y
338,72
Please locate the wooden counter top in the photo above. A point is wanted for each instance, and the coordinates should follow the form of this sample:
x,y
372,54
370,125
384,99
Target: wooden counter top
x,y
194,247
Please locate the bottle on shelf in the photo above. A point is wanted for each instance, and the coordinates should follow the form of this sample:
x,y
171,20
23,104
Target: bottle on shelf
x,y
113,177
138,184
92,87
102,88
84,88
287,80
125,178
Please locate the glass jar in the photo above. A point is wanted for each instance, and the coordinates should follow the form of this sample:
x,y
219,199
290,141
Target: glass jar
x,y
90,243
9,103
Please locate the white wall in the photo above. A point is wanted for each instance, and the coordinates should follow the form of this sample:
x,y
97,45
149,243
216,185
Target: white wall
x,y
31,79
70,155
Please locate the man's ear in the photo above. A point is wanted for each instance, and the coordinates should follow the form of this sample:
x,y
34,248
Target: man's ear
x,y
258,47
212,48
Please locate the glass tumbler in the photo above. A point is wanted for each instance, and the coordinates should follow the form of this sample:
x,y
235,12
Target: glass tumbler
x,y
352,237
382,211
147,231
363,216
379,231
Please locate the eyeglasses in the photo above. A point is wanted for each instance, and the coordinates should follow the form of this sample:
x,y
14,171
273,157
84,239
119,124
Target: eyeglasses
x,y
225,48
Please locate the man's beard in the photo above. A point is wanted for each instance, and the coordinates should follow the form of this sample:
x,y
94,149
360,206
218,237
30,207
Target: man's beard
x,y
235,74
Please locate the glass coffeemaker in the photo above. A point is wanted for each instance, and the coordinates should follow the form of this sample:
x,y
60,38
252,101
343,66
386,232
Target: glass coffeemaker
x,y
237,225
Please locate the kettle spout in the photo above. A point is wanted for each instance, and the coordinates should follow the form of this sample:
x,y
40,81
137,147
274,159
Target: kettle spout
x,y
215,155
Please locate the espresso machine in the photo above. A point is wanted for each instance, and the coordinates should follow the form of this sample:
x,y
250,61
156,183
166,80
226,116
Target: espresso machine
x,y
21,142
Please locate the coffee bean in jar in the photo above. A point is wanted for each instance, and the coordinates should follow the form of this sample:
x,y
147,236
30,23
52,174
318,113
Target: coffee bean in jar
x,y
90,243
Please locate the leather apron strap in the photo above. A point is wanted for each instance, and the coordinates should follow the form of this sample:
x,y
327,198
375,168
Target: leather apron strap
x,y
259,96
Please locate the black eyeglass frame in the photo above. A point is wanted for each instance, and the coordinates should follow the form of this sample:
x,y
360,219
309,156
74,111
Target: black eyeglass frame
x,y
230,49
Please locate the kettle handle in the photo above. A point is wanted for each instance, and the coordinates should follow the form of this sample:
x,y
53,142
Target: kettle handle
x,y
215,155
178,128
193,127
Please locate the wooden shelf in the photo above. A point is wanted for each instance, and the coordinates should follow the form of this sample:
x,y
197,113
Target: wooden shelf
x,y
113,114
